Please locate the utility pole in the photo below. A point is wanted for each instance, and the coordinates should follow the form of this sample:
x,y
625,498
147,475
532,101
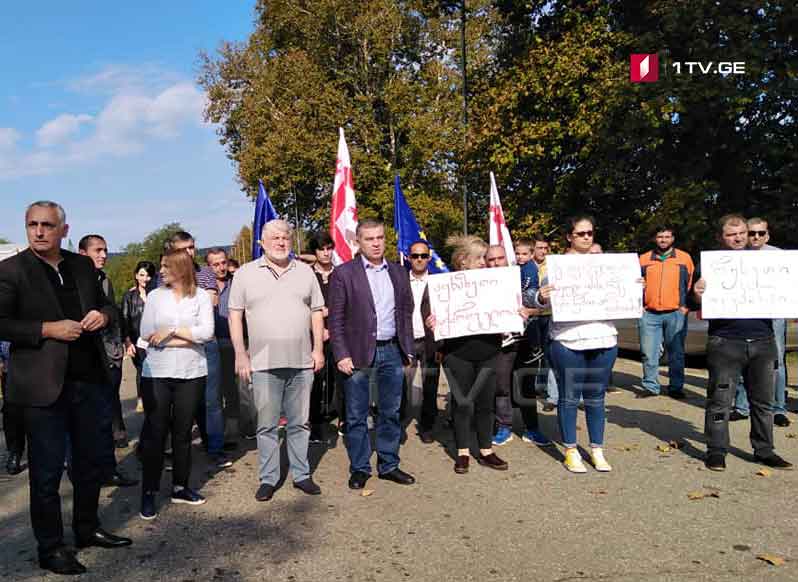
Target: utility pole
x,y
463,72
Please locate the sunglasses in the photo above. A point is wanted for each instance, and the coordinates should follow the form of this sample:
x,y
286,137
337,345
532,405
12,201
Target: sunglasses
x,y
583,233
761,233
419,255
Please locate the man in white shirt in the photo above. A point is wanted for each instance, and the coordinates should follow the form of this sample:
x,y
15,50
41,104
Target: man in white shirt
x,y
424,344
283,303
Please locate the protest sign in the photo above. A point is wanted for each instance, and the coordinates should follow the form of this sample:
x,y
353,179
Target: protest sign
x,y
476,301
749,284
595,286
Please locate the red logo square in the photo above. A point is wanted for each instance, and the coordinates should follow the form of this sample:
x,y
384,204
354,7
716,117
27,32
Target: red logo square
x,y
644,68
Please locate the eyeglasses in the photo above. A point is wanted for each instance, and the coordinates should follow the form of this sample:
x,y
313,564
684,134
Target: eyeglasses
x,y
761,233
584,233
419,255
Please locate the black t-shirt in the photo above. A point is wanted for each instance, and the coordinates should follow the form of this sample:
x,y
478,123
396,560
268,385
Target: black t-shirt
x,y
474,347
84,363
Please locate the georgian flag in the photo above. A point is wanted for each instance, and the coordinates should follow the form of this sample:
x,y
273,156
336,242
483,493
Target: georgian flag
x,y
497,228
343,220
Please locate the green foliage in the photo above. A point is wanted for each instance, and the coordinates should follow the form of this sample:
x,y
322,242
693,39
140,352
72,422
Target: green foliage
x,y
119,268
551,111
4,241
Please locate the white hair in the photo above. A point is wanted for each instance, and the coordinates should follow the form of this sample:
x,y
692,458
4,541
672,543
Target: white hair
x,y
276,224
48,204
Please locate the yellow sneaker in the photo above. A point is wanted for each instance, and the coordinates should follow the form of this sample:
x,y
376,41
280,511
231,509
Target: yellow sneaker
x,y
573,461
598,461
139,406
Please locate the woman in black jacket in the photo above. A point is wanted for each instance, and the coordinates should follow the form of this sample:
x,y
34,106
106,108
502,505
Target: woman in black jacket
x,y
132,307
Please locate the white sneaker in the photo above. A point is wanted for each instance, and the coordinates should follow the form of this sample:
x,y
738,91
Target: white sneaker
x,y
573,461
598,460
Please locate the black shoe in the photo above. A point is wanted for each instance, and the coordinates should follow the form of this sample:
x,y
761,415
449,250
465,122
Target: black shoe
x,y
308,486
265,492
358,480
716,462
121,443
103,539
677,394
398,476
119,480
425,434
646,394
316,435
773,461
14,464
62,561
737,415
778,420
549,406
492,461
221,461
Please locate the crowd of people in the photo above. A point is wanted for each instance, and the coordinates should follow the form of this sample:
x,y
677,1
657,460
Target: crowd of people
x,y
286,344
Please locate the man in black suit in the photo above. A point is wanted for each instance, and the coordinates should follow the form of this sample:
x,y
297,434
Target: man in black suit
x,y
426,349
51,310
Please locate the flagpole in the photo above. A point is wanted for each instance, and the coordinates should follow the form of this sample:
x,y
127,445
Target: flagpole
x,y
463,71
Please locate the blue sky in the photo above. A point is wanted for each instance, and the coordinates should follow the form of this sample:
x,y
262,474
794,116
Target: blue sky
x,y
99,110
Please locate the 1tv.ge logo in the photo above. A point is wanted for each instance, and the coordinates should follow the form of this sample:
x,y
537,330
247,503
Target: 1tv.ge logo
x,y
644,68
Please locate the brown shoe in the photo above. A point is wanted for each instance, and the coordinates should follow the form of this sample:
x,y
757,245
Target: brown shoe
x,y
461,464
492,461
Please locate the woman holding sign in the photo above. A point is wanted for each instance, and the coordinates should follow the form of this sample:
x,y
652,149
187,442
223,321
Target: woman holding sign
x,y
470,367
582,354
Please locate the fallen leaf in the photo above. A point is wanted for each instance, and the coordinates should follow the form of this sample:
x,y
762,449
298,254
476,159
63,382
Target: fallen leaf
x,y
764,472
771,559
791,435
367,492
599,492
663,448
706,492
693,495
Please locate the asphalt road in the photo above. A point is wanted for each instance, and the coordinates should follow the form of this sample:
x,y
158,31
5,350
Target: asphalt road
x,y
533,522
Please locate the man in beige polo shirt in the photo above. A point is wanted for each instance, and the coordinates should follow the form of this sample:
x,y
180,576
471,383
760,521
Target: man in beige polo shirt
x,y
283,305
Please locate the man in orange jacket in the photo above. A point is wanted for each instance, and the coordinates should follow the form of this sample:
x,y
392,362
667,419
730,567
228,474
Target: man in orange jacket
x,y
668,273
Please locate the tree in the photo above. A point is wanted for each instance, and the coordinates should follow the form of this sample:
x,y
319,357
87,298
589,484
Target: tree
x,y
4,241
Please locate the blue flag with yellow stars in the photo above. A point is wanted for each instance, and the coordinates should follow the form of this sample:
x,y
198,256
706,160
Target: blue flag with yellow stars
x,y
408,231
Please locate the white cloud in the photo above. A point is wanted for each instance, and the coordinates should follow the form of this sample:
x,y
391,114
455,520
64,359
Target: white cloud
x,y
115,79
8,138
133,117
60,129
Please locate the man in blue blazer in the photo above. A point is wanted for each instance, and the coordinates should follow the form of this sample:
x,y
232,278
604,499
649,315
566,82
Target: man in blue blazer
x,y
371,332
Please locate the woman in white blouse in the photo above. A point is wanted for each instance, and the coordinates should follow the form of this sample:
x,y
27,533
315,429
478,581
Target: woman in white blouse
x,y
582,354
177,320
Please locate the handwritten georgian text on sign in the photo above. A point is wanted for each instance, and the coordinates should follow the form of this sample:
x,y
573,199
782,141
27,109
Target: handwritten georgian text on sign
x,y
749,284
595,287
476,301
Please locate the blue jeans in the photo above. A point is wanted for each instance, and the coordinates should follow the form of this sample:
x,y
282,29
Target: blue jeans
x,y
288,390
741,404
582,374
214,418
654,328
388,369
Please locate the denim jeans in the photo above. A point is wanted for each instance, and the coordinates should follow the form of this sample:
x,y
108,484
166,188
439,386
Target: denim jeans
x,y
388,370
727,360
288,390
75,415
214,417
582,374
780,390
654,328
109,398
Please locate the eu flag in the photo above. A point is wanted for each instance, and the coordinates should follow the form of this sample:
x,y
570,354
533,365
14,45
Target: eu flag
x,y
408,231
264,212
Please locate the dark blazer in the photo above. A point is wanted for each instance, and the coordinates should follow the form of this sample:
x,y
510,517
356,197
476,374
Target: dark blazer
x,y
430,345
353,319
38,366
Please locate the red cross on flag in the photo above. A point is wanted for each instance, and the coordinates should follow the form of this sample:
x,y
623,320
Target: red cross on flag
x,y
497,227
343,220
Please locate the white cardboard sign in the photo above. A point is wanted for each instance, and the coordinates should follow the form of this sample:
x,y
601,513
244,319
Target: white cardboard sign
x,y
595,287
749,284
476,301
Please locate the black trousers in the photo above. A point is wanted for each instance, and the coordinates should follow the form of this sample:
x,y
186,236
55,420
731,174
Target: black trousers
x,y
430,376
727,360
525,376
75,415
323,392
473,387
13,422
169,404
109,408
